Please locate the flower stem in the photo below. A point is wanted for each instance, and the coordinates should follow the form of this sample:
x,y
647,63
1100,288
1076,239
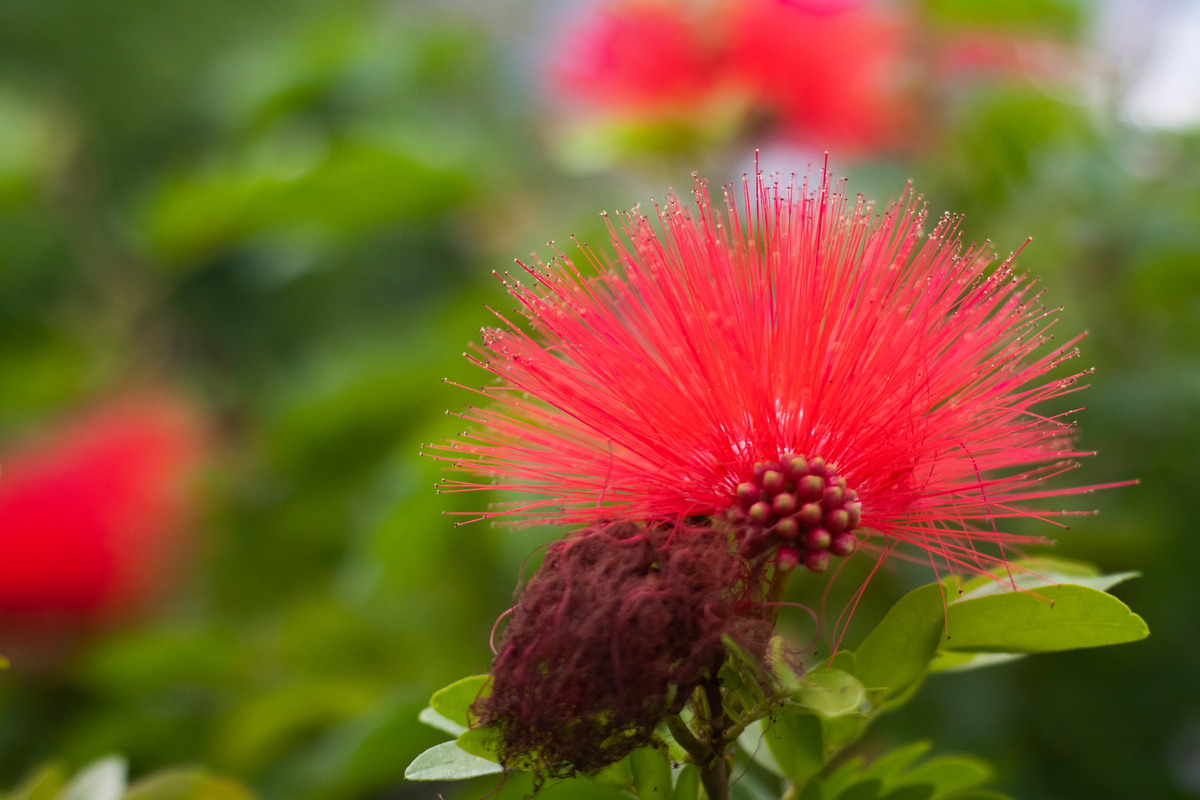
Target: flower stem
x,y
715,773
775,592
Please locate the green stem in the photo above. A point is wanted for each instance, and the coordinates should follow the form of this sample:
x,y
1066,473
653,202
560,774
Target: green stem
x,y
687,740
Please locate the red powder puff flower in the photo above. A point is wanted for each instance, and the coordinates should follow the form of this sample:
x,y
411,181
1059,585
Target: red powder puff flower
x,y
91,513
817,375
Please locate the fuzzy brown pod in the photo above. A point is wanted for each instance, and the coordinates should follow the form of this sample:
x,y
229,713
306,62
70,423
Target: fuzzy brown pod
x,y
616,630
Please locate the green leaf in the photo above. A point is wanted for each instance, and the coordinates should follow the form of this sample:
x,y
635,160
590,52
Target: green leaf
x,y
920,791
897,652
479,742
617,776
1055,618
173,784
844,660
41,785
953,661
753,742
454,702
795,741
687,783
840,778
1035,573
830,692
837,732
862,790
950,774
749,786
651,774
187,784
103,779
449,762
888,765
435,720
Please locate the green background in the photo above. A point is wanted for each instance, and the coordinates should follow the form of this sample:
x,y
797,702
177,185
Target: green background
x,y
292,210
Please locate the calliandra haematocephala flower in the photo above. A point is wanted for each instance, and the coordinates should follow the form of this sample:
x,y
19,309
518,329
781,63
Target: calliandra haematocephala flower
x,y
792,377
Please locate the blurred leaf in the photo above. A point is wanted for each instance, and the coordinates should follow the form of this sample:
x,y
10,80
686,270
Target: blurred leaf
x,y
753,743
749,786
887,766
830,692
651,774
955,661
435,720
687,784
103,779
861,790
448,762
950,774
44,784
1056,618
836,781
837,732
187,784
360,755
454,701
795,741
897,652
617,776
356,186
271,722
175,784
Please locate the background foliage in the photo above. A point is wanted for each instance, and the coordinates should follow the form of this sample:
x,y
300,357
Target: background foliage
x,y
290,211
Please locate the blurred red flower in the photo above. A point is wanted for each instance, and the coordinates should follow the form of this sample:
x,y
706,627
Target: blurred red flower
x,y
824,74
92,512
835,77
639,55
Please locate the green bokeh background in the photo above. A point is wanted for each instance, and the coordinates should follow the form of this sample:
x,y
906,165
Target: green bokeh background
x,y
292,210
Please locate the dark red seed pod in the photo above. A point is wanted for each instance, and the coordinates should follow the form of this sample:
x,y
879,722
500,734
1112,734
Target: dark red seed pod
x,y
787,559
836,521
817,561
748,494
816,466
855,512
772,482
784,504
843,544
831,497
787,528
817,539
760,512
809,515
810,487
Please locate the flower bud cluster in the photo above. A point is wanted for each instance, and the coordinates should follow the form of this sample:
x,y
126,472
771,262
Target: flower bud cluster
x,y
801,506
